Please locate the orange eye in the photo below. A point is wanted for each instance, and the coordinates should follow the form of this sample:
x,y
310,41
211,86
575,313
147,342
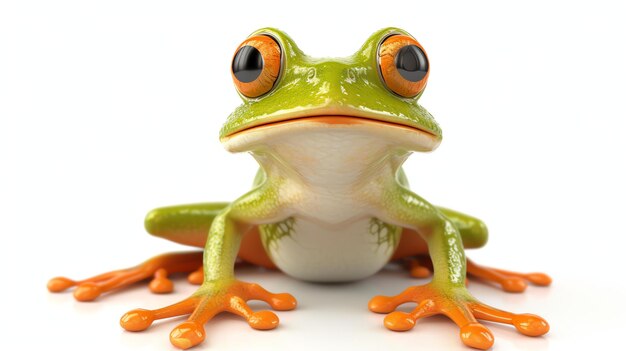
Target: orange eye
x,y
256,65
403,65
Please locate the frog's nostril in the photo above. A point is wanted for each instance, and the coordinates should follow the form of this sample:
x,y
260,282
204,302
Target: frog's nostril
x,y
311,74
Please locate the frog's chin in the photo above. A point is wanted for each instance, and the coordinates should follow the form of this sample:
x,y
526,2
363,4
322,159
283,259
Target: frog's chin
x,y
398,135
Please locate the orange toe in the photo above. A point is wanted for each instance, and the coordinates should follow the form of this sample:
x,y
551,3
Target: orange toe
x,y
59,284
381,304
187,334
514,284
161,284
420,272
531,325
477,336
137,320
527,324
263,320
417,267
87,292
399,321
196,277
540,279
279,302
283,302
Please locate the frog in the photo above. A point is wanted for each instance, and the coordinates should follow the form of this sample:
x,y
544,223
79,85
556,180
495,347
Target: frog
x,y
330,201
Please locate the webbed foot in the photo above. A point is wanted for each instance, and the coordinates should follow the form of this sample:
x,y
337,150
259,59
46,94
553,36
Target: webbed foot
x,y
211,299
156,268
509,281
457,304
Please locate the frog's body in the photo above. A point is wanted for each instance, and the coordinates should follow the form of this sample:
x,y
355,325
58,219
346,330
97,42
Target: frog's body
x,y
331,168
330,201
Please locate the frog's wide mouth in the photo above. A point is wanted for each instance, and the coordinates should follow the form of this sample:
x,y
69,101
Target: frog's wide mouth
x,y
412,137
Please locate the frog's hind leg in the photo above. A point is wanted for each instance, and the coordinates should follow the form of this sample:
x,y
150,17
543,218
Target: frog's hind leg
x,y
420,267
184,224
474,234
509,281
158,268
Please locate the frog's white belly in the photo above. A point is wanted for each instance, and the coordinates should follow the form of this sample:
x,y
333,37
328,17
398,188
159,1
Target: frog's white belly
x,y
331,180
346,252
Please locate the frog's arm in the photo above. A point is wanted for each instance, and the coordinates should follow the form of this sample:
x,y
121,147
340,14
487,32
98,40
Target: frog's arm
x,y
413,250
473,231
445,246
220,291
446,294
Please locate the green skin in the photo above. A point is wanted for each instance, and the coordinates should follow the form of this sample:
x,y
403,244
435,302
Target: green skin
x,y
445,231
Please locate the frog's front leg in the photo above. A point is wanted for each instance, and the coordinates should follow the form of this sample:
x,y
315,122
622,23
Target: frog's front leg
x,y
220,291
184,224
446,293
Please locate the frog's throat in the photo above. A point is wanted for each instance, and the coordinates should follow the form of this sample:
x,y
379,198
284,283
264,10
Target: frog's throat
x,y
407,137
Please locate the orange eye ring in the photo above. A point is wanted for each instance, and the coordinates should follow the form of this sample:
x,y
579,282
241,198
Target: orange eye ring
x,y
403,65
256,65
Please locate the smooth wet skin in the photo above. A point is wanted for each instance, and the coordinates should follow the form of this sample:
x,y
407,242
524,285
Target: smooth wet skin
x,y
330,201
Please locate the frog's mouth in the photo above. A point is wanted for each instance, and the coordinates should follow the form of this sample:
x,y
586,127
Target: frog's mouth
x,y
408,136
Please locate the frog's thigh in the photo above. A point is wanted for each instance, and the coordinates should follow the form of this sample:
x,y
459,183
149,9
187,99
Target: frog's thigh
x,y
473,231
183,224
190,224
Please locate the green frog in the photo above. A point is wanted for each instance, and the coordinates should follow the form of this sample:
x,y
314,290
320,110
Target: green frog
x,y
330,201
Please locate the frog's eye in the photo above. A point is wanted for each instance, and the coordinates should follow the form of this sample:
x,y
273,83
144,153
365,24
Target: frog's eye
x,y
256,65
403,65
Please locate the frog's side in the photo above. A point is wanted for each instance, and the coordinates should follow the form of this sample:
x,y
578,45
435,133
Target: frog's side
x,y
330,202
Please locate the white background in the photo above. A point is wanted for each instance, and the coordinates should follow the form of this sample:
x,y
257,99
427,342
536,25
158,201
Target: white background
x,y
110,109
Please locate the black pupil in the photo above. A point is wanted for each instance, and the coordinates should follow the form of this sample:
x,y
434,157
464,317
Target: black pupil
x,y
412,63
247,64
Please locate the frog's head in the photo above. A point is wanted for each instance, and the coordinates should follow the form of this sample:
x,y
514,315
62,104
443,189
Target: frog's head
x,y
379,86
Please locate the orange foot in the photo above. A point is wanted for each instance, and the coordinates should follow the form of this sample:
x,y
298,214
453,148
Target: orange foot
x,y
421,267
509,281
458,305
157,268
208,301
